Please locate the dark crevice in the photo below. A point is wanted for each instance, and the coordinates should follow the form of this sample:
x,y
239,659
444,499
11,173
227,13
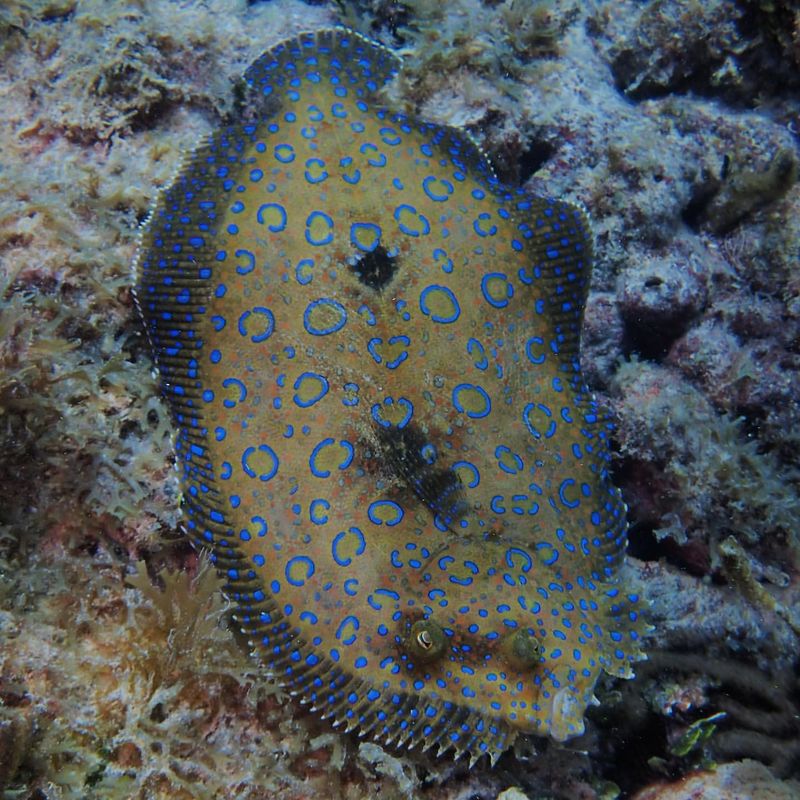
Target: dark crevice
x,y
537,154
649,341
642,544
703,193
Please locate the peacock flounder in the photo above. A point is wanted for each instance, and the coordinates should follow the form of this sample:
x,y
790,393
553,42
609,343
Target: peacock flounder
x,y
370,349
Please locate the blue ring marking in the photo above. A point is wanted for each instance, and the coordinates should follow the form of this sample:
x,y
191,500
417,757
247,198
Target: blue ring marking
x,y
339,539
310,376
376,510
532,429
266,208
470,387
242,391
428,453
263,448
500,451
315,113
303,562
312,218
444,561
532,358
351,398
350,587
355,176
396,362
527,561
485,289
389,401
318,518
390,136
371,348
437,289
348,620
473,344
476,225
262,531
302,271
338,110
369,147
553,557
328,303
562,493
315,162
494,504
284,153
441,255
468,465
358,227
269,326
440,182
226,471
365,312
404,208
247,268
327,442
383,593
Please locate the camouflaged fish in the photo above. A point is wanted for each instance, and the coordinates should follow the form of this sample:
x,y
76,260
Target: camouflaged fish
x,y
370,348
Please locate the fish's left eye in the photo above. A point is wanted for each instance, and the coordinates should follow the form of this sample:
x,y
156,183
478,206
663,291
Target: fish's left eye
x,y
426,641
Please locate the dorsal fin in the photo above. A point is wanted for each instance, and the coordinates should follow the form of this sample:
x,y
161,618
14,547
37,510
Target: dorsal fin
x,y
336,55
557,237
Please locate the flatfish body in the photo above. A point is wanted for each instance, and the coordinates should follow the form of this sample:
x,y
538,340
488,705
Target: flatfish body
x,y
370,347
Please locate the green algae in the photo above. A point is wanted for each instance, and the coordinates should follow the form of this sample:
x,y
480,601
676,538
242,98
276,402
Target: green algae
x,y
719,479
744,191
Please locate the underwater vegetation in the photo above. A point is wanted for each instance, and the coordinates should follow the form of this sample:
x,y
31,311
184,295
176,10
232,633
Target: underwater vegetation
x,y
685,158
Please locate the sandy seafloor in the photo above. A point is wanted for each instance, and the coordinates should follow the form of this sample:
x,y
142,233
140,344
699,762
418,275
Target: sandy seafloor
x,y
676,124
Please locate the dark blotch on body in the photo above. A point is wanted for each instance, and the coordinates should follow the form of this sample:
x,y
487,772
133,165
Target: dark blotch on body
x,y
412,459
376,268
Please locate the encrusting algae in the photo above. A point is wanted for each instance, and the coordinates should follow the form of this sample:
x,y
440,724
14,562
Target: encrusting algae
x,y
370,347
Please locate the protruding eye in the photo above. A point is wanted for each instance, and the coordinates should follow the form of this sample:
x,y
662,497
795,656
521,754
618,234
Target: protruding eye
x,y
426,640
521,650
